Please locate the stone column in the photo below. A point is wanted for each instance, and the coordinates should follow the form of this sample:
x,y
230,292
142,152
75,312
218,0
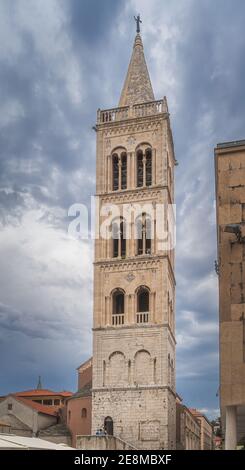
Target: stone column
x,y
109,182
133,168
144,170
120,174
230,428
153,169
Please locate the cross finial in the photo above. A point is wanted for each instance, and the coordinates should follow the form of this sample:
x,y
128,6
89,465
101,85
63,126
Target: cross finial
x,y
138,21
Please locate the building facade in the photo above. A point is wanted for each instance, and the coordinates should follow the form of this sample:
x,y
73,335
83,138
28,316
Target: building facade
x,y
206,429
79,405
188,429
230,207
134,285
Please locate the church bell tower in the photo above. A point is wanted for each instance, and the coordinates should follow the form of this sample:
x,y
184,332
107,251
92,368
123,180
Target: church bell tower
x,y
133,392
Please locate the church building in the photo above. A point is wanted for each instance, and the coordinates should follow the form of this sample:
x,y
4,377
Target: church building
x,y
133,394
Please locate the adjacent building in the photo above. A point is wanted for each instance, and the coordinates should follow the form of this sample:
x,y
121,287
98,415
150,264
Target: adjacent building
x,y
206,437
188,428
79,405
230,207
133,393
22,416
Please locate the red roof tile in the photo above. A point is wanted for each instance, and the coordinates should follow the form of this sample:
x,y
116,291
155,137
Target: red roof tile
x,y
47,410
42,392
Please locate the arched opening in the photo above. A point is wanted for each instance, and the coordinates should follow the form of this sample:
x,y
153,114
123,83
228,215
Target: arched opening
x,y
84,413
118,238
115,172
148,167
108,425
143,305
143,370
124,170
117,365
118,307
140,168
143,227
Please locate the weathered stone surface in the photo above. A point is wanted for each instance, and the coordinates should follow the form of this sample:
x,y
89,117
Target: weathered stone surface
x,y
230,194
134,363
137,87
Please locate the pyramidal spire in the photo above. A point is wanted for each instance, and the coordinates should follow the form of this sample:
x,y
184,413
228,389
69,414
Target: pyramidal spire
x,y
39,384
137,87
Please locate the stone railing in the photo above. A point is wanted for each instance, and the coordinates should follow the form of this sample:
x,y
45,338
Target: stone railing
x,y
129,112
142,317
118,319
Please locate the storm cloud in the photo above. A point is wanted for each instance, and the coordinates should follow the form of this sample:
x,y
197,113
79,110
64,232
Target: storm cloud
x,y
60,60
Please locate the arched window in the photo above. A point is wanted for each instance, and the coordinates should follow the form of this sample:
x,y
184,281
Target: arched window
x,y
118,307
115,172
148,167
143,227
84,413
108,425
140,169
118,238
119,171
69,415
143,305
124,170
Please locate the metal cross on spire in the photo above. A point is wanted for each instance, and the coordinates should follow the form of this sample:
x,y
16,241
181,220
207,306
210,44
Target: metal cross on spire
x,y
138,21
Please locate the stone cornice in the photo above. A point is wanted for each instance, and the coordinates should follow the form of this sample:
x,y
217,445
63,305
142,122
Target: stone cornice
x,y
132,120
135,389
124,265
143,192
137,326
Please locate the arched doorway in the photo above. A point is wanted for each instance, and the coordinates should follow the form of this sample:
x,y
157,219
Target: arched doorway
x,y
108,425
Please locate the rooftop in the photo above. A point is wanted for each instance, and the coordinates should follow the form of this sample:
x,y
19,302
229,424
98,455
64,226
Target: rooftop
x,y
47,410
234,143
42,392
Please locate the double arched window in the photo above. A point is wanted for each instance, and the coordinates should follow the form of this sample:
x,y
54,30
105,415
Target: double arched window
x,y
142,305
118,307
118,238
144,234
119,171
144,167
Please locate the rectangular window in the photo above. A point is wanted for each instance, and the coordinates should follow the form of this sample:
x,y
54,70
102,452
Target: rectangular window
x,y
10,406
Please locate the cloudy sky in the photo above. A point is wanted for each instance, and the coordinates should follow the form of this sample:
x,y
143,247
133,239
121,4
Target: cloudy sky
x,y
59,61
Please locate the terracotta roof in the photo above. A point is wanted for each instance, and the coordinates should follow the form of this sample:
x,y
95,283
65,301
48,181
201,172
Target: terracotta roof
x,y
42,392
47,410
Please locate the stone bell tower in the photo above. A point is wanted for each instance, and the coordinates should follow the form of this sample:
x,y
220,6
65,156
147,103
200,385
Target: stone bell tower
x,y
133,392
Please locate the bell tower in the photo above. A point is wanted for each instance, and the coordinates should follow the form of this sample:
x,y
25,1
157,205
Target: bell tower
x,y
133,392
